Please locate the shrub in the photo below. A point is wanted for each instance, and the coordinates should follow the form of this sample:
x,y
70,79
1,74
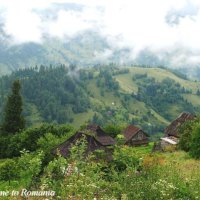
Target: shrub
x,y
30,166
8,171
28,139
195,143
185,133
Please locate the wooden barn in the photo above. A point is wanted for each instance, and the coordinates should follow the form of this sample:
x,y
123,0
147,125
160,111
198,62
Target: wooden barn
x,y
173,128
96,140
171,138
134,136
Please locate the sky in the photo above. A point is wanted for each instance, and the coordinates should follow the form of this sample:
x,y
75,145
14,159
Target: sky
x,y
156,25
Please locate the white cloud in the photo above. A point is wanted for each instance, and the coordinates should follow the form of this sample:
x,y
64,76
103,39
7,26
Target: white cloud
x,y
20,22
137,24
68,23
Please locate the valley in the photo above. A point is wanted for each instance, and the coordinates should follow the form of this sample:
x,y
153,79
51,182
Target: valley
x,y
104,94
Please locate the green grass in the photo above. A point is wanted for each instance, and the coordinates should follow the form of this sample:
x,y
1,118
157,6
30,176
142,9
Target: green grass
x,y
145,150
159,117
137,107
82,118
126,83
136,173
194,99
174,110
105,100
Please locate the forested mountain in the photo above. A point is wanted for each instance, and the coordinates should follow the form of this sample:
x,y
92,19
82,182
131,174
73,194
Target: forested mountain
x,y
149,97
84,50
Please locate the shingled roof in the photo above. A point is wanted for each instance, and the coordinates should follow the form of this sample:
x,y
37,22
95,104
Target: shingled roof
x,y
95,137
100,135
130,131
173,128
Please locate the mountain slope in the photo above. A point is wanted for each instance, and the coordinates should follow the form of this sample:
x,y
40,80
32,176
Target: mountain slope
x,y
85,49
148,97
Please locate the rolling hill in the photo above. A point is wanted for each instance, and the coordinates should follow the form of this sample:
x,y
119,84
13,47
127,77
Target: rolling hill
x,y
85,49
148,97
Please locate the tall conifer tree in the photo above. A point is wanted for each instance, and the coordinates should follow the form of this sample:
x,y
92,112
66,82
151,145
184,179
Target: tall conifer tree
x,y
13,119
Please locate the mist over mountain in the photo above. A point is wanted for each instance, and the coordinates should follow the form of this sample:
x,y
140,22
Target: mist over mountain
x,y
87,33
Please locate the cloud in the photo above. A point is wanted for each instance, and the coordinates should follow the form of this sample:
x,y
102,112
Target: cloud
x,y
20,22
159,26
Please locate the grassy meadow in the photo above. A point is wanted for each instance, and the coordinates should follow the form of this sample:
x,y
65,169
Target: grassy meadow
x,y
134,173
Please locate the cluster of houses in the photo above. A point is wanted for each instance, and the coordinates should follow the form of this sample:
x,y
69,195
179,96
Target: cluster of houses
x,y
97,139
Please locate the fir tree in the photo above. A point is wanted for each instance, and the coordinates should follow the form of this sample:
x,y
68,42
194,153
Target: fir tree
x,y
13,119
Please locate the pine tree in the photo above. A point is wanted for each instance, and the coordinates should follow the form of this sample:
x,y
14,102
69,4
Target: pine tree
x,y
13,119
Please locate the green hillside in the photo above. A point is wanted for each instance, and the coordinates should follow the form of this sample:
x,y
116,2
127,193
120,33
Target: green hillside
x,y
148,97
126,83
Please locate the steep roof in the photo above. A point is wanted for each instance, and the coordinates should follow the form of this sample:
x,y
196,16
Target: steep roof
x,y
95,137
173,128
130,131
100,135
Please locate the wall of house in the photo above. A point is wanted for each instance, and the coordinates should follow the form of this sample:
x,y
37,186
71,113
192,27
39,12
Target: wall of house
x,y
139,139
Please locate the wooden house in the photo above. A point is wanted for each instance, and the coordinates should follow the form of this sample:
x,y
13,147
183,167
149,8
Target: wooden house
x,y
96,139
134,136
171,138
174,127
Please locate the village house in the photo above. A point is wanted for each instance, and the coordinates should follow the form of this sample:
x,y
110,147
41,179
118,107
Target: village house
x,y
174,127
96,139
135,136
171,138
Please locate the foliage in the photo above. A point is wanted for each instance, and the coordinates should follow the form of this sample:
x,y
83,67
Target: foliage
x,y
22,172
195,143
13,120
48,142
113,129
28,139
134,173
30,166
106,80
185,133
103,95
8,171
76,177
162,95
54,91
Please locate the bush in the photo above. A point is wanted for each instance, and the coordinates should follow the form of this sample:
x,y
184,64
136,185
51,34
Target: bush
x,y
113,129
185,133
8,170
195,143
28,139
30,166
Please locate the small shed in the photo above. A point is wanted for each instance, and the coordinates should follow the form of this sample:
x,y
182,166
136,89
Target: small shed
x,y
173,128
95,137
135,136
